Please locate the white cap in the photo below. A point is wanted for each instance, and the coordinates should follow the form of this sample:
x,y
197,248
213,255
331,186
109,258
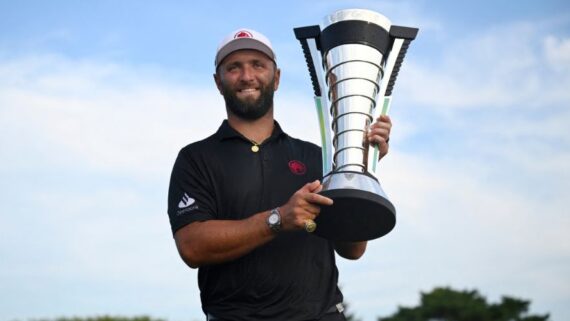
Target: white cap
x,y
243,39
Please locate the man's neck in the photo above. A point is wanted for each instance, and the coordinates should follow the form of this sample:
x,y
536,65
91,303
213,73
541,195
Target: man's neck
x,y
255,130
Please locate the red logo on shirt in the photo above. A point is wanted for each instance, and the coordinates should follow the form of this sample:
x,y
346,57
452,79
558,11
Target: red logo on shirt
x,y
297,167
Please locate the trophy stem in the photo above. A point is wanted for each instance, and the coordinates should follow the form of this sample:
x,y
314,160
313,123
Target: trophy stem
x,y
374,157
324,129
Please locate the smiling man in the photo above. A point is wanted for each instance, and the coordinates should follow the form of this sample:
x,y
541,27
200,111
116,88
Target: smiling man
x,y
242,202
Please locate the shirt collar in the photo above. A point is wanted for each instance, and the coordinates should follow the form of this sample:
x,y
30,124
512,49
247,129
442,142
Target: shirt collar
x,y
226,132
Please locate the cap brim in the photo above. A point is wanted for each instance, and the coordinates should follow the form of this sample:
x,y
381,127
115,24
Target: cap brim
x,y
241,44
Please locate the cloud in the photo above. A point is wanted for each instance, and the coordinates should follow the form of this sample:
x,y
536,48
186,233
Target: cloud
x,y
557,52
458,226
114,118
101,115
479,177
503,94
505,66
87,150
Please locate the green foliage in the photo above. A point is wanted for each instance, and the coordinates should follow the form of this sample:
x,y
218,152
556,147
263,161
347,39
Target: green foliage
x,y
348,313
441,304
446,304
102,318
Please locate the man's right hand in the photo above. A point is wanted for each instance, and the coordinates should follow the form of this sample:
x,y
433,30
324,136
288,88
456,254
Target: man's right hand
x,y
218,241
302,206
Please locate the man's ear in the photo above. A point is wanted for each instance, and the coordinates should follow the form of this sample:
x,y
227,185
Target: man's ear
x,y
218,83
277,76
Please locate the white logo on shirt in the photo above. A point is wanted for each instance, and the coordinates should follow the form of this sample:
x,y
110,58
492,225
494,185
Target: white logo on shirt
x,y
186,201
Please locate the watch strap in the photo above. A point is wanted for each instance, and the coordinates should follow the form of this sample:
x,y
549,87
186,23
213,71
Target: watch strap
x,y
275,226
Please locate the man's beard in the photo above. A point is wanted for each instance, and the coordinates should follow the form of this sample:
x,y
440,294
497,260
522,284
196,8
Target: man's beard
x,y
250,109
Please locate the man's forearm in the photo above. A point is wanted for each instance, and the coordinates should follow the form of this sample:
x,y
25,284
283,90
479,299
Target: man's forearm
x,y
218,241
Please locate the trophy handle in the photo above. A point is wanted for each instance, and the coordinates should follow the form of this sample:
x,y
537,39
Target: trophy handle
x,y
308,36
403,36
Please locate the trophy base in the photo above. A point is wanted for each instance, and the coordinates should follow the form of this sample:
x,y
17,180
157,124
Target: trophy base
x,y
375,217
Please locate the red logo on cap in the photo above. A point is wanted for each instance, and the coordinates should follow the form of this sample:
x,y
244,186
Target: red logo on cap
x,y
243,34
297,167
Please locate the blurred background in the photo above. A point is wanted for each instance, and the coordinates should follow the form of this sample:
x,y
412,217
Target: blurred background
x,y
98,97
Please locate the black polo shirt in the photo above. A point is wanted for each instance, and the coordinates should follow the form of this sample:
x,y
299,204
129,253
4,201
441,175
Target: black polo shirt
x,y
293,277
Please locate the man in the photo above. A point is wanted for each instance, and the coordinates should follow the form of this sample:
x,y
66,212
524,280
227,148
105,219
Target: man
x,y
242,201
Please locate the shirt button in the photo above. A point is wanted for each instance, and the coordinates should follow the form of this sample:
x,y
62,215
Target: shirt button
x,y
255,148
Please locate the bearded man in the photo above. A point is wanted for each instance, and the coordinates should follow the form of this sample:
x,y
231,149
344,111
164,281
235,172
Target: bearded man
x,y
242,200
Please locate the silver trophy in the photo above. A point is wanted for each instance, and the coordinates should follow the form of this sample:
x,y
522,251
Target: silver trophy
x,y
360,53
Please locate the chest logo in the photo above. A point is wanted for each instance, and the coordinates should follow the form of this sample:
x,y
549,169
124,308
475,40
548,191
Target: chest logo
x,y
298,168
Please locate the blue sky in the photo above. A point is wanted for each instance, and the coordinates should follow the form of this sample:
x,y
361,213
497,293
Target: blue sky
x,y
97,97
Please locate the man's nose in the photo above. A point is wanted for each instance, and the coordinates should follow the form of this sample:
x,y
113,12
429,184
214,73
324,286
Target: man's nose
x,y
247,73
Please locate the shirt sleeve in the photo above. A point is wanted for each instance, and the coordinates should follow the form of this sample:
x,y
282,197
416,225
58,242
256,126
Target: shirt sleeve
x,y
190,195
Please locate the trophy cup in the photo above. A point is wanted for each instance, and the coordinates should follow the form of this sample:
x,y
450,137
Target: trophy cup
x,y
360,53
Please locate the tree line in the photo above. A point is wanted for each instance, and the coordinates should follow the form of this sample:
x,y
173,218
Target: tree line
x,y
439,304
447,304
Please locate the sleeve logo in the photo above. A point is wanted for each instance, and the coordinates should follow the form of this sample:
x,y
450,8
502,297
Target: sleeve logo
x,y
187,204
186,201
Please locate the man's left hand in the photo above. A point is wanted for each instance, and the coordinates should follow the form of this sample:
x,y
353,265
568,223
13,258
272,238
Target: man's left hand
x,y
379,134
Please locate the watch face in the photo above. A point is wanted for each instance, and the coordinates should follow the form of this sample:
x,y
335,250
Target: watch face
x,y
273,219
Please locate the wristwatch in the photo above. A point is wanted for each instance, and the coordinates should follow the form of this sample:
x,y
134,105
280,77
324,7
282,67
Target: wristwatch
x,y
274,220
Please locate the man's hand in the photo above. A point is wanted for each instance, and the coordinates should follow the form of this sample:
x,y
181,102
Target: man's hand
x,y
218,241
379,134
302,206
